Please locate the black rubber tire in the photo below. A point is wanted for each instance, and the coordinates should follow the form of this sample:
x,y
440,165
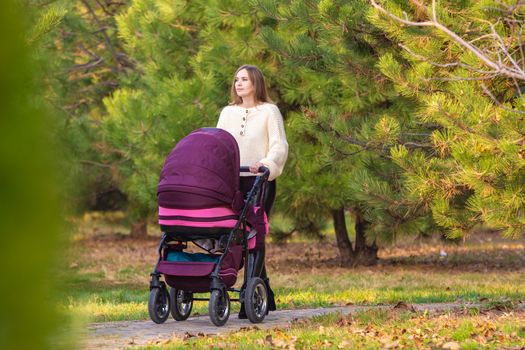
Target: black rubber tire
x,y
180,310
256,300
219,307
159,305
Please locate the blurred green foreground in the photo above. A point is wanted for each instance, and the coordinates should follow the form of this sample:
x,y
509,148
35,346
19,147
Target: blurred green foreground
x,y
29,206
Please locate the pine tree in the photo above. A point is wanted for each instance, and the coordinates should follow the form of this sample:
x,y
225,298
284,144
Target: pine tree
x,y
344,117
186,53
84,60
463,64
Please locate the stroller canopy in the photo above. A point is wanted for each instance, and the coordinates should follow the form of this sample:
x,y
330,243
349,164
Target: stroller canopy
x,y
202,171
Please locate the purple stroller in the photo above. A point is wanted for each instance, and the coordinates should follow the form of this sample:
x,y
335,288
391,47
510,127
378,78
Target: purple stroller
x,y
199,199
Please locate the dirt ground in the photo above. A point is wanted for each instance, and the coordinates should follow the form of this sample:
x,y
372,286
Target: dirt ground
x,y
482,253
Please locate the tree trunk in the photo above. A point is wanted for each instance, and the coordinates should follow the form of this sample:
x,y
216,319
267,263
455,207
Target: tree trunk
x,y
360,228
364,254
139,228
344,245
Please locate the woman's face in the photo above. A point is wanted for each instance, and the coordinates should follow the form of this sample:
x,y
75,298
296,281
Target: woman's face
x,y
243,84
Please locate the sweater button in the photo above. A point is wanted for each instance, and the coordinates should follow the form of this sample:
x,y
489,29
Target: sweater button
x,y
242,133
243,118
242,125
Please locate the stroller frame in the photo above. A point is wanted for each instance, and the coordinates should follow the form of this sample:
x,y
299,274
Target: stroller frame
x,y
253,293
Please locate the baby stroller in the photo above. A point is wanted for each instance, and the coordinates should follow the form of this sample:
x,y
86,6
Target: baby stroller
x,y
199,199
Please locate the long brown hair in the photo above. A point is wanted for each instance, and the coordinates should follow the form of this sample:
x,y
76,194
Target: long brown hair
x,y
257,79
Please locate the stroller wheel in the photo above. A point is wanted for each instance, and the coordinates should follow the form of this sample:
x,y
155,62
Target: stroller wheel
x,y
159,304
219,307
256,300
181,304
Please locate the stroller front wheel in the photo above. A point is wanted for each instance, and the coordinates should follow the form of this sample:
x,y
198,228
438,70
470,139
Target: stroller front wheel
x,y
159,304
256,300
181,304
219,307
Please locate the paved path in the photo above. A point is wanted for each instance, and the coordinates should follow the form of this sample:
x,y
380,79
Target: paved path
x,y
123,334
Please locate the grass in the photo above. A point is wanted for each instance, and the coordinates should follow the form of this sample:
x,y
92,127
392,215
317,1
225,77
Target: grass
x,y
374,329
107,278
129,301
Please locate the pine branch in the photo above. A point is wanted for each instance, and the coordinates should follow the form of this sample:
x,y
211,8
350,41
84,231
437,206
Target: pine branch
x,y
103,31
91,64
446,65
326,128
458,78
383,150
104,8
499,66
396,203
90,162
509,9
495,100
461,125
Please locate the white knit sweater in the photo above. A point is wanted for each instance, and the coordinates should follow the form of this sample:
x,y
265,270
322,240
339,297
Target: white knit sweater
x,y
259,132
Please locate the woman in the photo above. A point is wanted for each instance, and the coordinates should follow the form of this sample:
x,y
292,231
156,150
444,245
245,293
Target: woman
x,y
257,126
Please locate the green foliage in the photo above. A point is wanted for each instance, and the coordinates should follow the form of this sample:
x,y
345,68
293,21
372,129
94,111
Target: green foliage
x,y
345,117
180,49
83,61
29,210
321,63
409,135
474,172
48,20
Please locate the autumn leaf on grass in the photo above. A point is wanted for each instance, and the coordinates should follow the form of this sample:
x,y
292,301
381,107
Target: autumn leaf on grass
x,y
391,345
345,344
268,340
188,335
283,343
452,345
344,322
327,343
401,305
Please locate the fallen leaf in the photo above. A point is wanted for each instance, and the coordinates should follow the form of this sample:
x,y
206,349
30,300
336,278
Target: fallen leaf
x,y
401,305
385,339
345,344
452,345
268,339
391,345
343,322
187,335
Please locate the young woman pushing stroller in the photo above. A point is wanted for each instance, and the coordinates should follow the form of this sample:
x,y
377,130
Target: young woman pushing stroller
x,y
257,126
202,197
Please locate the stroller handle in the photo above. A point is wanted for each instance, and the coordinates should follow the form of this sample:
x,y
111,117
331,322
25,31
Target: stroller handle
x,y
262,169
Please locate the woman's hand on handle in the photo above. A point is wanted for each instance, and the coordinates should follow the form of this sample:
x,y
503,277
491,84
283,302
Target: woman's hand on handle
x,y
254,168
